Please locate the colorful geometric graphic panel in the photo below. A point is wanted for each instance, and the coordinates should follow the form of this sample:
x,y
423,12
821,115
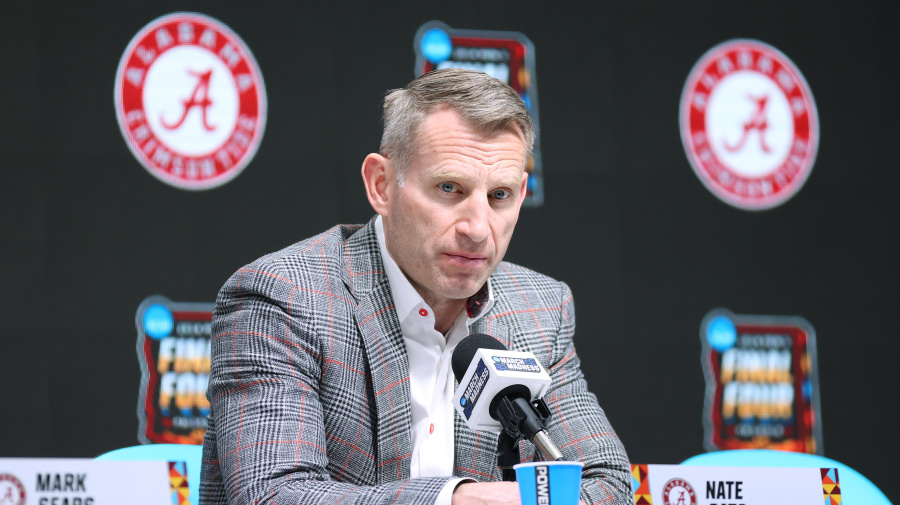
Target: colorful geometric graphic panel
x,y
178,483
640,484
831,486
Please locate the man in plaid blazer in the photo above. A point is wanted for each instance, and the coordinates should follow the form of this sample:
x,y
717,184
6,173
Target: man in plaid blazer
x,y
310,376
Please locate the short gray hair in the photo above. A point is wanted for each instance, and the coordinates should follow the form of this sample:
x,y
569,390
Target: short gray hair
x,y
486,104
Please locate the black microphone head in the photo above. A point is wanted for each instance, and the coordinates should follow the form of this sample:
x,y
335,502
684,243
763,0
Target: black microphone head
x,y
466,350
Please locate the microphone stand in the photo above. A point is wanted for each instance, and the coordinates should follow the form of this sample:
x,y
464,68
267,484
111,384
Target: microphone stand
x,y
508,456
522,419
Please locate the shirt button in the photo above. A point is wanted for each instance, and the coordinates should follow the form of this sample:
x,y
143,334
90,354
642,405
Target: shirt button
x,y
423,312
431,429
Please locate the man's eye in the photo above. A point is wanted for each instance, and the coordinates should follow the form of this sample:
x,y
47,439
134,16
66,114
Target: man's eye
x,y
448,187
501,194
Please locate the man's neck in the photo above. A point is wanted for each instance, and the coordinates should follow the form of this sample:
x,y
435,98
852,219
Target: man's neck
x,y
445,312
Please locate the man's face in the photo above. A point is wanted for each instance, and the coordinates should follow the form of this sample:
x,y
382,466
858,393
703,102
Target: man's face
x,y
450,223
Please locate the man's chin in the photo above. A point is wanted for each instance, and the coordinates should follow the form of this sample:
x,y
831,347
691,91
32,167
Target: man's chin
x,y
462,291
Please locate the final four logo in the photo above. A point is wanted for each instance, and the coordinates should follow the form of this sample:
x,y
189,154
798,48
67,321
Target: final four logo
x,y
190,101
173,350
749,124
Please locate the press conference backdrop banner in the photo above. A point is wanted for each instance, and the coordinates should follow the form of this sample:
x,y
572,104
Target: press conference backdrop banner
x,y
689,157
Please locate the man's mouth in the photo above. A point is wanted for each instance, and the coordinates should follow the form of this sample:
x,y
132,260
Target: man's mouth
x,y
468,260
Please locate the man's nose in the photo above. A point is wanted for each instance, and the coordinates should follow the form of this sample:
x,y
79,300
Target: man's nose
x,y
474,221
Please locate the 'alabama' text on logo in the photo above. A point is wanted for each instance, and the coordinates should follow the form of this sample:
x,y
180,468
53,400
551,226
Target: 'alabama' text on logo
x,y
749,124
190,101
679,492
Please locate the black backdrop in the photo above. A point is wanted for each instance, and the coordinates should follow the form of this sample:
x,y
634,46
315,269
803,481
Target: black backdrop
x,y
88,234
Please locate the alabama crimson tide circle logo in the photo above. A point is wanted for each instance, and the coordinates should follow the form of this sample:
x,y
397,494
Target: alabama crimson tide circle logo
x,y
12,491
190,101
679,492
749,124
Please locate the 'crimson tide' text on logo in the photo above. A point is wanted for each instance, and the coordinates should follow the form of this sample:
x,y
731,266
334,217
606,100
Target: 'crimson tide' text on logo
x,y
190,101
679,492
749,124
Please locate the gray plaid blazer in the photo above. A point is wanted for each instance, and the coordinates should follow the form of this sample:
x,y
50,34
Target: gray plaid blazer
x,y
309,383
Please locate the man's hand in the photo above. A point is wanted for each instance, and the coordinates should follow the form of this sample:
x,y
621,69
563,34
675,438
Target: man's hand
x,y
486,493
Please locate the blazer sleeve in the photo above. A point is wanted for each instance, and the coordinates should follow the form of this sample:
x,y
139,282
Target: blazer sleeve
x,y
579,426
266,441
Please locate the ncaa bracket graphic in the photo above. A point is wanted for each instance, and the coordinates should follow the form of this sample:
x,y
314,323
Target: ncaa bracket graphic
x,y
762,384
749,124
173,350
507,56
190,101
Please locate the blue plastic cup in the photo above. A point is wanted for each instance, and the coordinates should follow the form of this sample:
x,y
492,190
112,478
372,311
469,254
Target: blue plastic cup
x,y
549,482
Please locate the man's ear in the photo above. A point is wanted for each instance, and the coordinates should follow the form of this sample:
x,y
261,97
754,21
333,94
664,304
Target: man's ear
x,y
378,176
523,189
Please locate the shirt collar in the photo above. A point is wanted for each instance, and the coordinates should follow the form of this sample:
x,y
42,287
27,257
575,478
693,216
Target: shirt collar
x,y
406,298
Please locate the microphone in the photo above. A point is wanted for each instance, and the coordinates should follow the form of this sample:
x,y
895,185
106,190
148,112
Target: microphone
x,y
500,391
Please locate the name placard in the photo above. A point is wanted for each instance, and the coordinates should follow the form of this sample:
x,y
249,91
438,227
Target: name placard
x,y
719,485
50,481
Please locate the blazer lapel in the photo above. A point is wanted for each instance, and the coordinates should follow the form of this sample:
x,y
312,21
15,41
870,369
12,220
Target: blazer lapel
x,y
490,326
476,451
385,352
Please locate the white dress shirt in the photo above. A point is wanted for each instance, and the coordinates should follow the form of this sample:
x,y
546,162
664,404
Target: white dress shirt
x,y
430,374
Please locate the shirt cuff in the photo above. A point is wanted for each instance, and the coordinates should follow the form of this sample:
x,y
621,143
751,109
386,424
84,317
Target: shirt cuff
x,y
446,495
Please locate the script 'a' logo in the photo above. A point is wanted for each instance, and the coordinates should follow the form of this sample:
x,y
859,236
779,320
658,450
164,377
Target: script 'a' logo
x,y
190,101
749,124
12,492
679,492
